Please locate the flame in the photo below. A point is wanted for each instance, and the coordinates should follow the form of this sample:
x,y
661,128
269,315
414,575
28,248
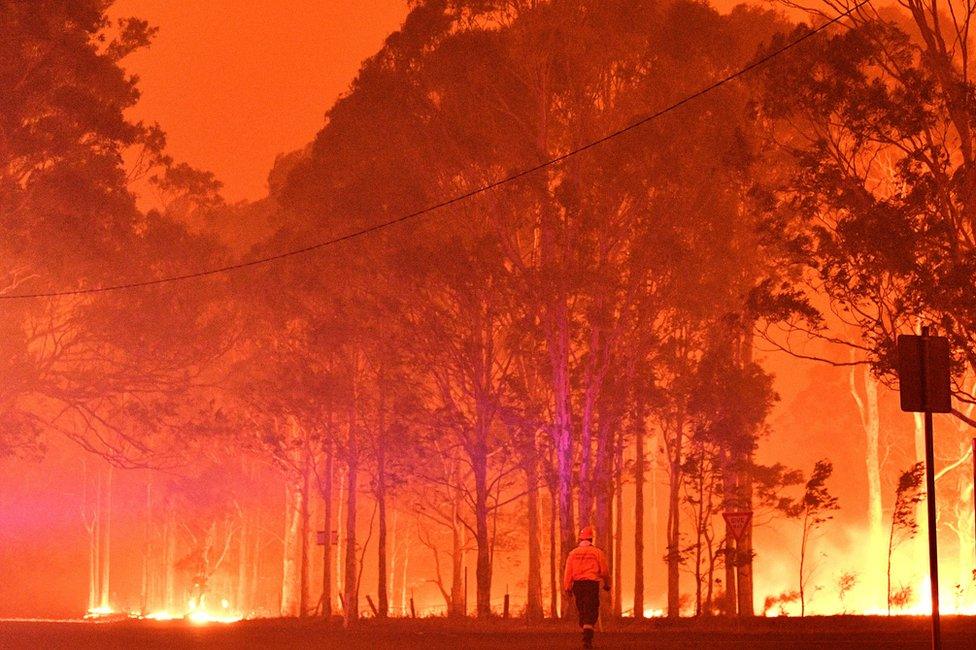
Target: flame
x,y
199,615
101,610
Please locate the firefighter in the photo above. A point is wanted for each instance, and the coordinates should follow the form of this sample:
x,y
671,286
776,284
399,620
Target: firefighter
x,y
586,568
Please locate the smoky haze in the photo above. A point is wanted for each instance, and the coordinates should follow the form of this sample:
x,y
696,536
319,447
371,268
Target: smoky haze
x,y
693,318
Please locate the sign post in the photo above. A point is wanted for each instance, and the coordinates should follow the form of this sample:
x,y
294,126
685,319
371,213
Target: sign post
x,y
736,524
923,382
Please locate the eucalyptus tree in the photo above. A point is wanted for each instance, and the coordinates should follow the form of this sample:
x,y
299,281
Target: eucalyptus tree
x,y
568,268
877,197
881,145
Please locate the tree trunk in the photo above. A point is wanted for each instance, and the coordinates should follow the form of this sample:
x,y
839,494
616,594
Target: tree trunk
x,y
618,537
564,453
871,422
290,580
604,488
553,252
170,563
744,554
700,522
457,604
743,567
106,556
382,587
394,562
963,528
91,526
731,504
588,479
327,547
403,579
483,562
639,515
242,567
803,557
146,553
533,598
674,521
351,590
303,589
891,548
252,593
554,587
340,532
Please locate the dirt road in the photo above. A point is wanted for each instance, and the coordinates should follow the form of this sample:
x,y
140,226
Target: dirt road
x,y
838,633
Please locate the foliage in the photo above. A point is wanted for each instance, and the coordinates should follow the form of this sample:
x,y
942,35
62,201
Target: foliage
x,y
904,524
813,508
876,125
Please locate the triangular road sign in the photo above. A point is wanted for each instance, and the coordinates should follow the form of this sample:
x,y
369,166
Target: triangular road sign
x,y
737,522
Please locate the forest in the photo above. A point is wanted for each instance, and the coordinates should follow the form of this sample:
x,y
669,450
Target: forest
x,y
545,265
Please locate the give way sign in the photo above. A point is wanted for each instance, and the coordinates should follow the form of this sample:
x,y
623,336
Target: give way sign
x,y
737,522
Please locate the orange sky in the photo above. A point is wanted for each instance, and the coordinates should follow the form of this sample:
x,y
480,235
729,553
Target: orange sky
x,y
236,82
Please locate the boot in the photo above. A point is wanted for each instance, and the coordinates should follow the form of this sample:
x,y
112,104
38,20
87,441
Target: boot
x,y
588,637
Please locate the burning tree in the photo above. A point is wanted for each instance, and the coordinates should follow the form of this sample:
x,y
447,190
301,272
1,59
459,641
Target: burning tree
x,y
814,509
875,127
904,525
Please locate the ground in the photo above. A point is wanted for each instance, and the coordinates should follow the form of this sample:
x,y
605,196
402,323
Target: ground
x,y
835,633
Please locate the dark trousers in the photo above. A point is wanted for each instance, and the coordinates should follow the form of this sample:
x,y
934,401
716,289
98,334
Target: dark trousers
x,y
587,596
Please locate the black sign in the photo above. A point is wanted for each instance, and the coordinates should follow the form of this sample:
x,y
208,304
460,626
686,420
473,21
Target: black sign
x,y
923,374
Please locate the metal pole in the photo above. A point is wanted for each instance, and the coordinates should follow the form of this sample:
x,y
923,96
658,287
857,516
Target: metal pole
x,y
933,538
930,500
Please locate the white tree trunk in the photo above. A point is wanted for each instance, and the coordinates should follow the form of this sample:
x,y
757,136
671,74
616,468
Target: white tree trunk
x,y
403,580
169,559
106,532
291,567
874,568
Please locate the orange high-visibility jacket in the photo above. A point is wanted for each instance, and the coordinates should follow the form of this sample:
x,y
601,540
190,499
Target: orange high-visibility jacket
x,y
586,562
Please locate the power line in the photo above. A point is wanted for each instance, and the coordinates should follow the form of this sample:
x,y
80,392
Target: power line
x,y
457,198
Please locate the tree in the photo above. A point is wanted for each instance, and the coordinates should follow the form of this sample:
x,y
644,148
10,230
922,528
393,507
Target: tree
x,y
581,271
880,191
814,509
908,494
73,225
729,403
877,194
867,407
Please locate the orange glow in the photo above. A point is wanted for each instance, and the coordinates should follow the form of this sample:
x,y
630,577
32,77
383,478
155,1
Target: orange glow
x,y
382,413
265,68
98,612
